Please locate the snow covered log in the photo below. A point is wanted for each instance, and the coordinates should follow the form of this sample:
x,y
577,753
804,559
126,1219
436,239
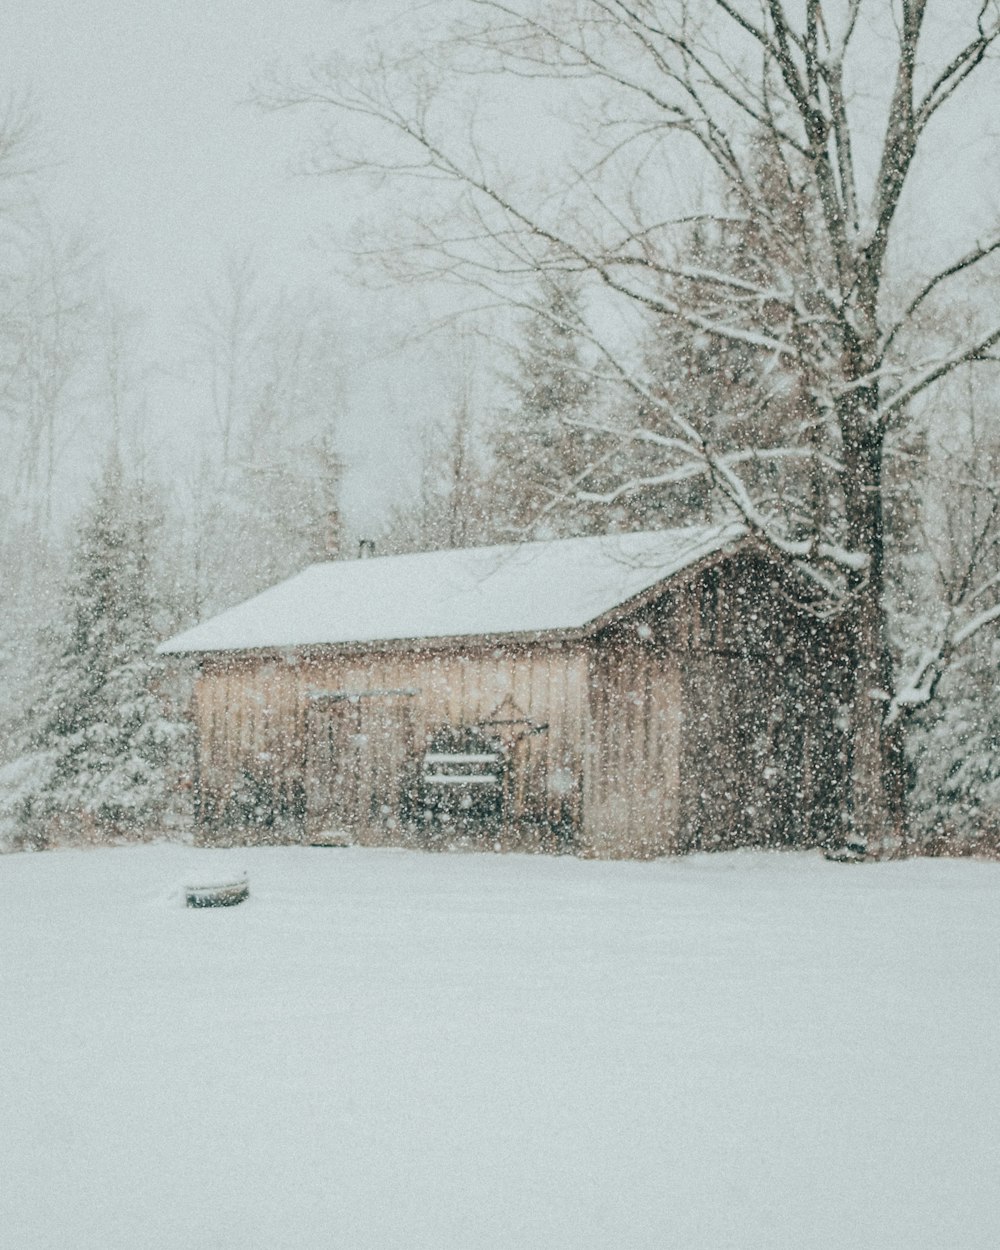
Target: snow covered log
x,y
225,894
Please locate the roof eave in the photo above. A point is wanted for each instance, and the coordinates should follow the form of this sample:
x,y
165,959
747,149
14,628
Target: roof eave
x,y
443,642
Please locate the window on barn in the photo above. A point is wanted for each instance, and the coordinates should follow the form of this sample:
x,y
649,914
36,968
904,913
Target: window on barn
x,y
462,776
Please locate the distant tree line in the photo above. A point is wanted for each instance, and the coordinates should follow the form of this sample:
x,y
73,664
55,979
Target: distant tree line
x,y
104,552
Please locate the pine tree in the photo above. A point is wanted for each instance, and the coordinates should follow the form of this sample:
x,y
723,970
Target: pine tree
x,y
735,394
106,754
954,750
565,463
953,481
542,451
452,502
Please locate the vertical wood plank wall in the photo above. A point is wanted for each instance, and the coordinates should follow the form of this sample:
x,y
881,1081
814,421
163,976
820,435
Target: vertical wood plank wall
x,y
632,779
258,719
713,720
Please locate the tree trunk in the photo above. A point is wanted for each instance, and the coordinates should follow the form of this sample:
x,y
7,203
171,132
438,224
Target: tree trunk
x,y
877,800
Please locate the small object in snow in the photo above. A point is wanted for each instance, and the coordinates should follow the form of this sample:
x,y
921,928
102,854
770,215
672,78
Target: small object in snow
x,y
849,853
227,894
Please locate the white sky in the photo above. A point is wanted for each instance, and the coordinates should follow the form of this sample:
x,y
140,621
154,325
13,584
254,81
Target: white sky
x,y
146,105
156,150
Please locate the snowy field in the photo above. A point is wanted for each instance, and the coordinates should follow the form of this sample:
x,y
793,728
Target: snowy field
x,y
386,1049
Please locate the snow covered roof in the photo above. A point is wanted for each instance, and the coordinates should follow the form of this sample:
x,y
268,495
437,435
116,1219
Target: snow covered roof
x,y
529,588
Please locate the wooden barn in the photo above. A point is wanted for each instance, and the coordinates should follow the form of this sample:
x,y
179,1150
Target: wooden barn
x,y
627,695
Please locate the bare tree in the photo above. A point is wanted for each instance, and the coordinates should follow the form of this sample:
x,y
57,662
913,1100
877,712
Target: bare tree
x,y
751,102
264,500
227,333
45,326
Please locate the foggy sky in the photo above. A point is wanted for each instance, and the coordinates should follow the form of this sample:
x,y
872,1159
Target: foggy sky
x,y
151,143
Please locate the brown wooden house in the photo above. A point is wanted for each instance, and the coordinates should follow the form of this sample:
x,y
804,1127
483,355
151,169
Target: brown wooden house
x,y
628,695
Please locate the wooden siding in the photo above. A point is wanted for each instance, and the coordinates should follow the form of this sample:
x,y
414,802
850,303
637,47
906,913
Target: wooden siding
x,y
335,739
713,719
632,782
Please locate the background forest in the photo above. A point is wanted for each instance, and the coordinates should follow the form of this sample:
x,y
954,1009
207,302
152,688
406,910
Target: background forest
x,y
558,415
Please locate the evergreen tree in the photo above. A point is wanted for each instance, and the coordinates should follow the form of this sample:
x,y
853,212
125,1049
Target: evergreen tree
x,y
542,452
735,394
565,463
106,754
451,504
954,500
954,750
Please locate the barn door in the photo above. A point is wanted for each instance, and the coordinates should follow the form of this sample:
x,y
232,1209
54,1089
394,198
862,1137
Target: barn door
x,y
741,762
359,759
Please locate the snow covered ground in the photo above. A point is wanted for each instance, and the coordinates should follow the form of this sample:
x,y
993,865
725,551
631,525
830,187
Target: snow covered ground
x,y
387,1049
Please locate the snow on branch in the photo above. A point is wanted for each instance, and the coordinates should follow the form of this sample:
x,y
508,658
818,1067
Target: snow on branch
x,y
973,626
919,686
702,465
972,258
721,467
933,371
